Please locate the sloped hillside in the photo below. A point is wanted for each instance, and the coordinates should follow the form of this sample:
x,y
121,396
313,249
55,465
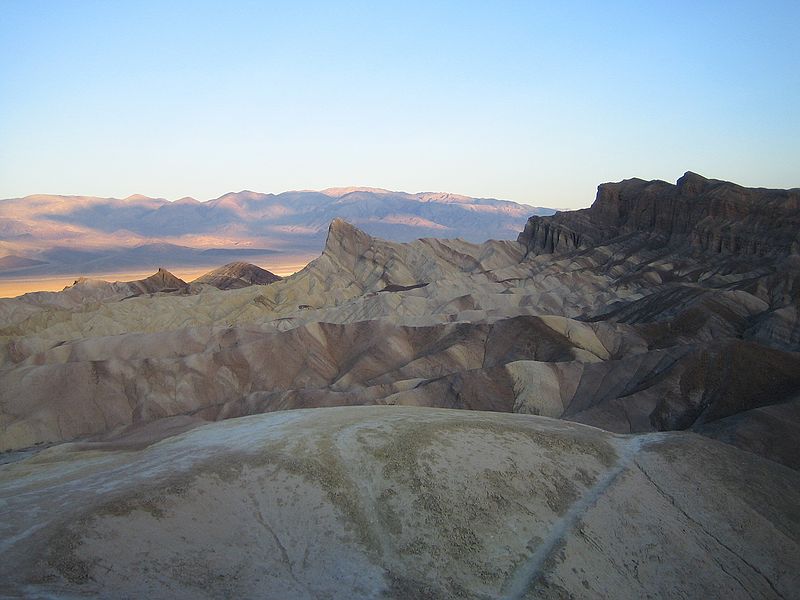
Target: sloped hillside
x,y
46,235
398,502
640,332
140,461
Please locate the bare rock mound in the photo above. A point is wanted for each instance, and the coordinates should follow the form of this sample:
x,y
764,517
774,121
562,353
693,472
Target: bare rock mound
x,y
389,502
86,289
237,275
161,281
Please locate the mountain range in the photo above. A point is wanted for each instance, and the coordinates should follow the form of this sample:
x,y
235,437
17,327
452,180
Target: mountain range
x,y
47,235
606,406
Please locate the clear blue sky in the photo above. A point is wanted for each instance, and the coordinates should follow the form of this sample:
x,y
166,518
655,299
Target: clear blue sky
x,y
531,101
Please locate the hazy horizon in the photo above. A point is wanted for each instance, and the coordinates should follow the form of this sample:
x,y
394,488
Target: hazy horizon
x,y
272,193
530,102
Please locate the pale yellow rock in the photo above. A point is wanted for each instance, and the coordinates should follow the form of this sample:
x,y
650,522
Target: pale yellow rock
x,y
537,388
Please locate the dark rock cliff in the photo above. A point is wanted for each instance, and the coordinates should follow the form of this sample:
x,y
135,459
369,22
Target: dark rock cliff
x,y
698,214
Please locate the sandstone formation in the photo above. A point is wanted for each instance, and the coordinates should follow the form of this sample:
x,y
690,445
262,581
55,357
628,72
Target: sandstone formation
x,y
645,352
87,294
237,275
638,331
698,213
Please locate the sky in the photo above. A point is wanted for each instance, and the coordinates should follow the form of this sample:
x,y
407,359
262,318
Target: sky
x,y
536,102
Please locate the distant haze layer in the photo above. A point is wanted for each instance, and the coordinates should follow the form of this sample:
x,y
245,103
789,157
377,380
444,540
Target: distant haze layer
x,y
53,237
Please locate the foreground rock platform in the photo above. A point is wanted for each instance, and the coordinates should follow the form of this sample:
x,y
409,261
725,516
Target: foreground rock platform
x,y
399,502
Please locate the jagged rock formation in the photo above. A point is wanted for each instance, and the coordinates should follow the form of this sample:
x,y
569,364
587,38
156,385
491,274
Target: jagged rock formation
x,y
237,275
703,214
86,295
396,502
667,312
85,291
641,333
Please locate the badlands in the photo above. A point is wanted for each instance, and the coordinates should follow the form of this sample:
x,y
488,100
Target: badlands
x,y
608,406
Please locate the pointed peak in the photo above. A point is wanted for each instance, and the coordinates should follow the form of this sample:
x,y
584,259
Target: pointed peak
x,y
237,275
345,238
340,225
691,183
165,277
161,280
691,176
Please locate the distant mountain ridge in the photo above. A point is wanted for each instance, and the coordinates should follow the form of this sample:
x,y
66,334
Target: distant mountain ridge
x,y
94,235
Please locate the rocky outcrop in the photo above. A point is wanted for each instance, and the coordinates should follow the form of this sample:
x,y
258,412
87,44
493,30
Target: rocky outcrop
x,y
697,213
237,275
84,294
643,332
161,281
665,313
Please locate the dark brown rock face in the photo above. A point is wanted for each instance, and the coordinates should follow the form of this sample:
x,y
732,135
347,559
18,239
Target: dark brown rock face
x,y
161,281
237,275
701,214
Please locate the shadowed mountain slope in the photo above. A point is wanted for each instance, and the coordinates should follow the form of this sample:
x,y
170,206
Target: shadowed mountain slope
x,y
237,275
660,328
696,215
641,332
67,234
